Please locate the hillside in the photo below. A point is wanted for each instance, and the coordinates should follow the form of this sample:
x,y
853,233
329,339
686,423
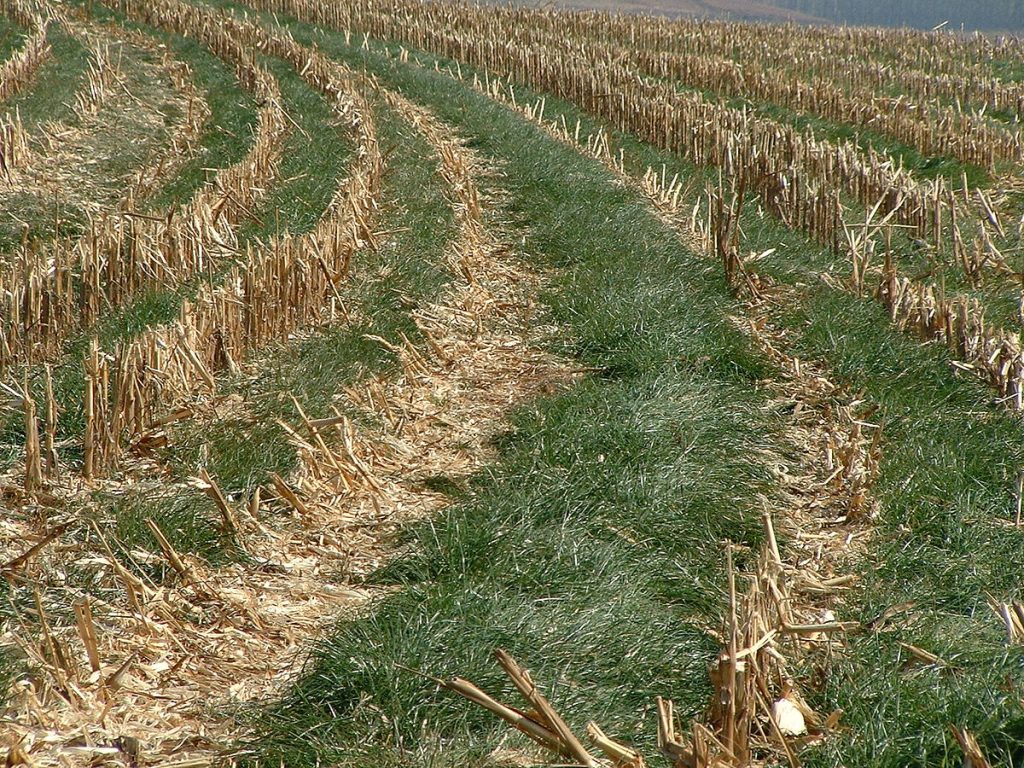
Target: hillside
x,y
992,16
393,384
999,15
734,9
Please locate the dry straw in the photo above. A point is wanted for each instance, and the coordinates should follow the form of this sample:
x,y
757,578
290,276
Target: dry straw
x,y
19,70
273,291
52,290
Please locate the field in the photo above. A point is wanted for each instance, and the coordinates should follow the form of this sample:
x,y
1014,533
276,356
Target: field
x,y
401,384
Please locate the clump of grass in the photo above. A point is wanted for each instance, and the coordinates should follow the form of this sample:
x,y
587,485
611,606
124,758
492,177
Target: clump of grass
x,y
187,518
227,133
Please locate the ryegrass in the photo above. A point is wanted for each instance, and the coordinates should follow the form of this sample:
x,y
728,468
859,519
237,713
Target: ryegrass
x,y
945,492
316,157
12,37
591,547
227,133
58,79
942,544
190,522
48,99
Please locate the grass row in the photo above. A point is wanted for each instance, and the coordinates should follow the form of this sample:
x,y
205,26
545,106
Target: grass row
x,y
11,37
494,571
942,541
50,98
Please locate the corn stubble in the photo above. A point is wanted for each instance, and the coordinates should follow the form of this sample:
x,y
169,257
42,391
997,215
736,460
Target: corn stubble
x,y
857,203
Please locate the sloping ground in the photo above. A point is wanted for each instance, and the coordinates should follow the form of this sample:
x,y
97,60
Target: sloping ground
x,y
442,366
712,9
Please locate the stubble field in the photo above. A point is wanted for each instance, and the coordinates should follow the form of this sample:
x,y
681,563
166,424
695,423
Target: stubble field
x,y
359,357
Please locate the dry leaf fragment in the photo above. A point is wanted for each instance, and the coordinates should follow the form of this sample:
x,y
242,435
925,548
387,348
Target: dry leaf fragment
x,y
789,718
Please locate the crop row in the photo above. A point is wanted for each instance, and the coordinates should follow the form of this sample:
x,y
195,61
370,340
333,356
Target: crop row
x,y
797,178
272,291
52,290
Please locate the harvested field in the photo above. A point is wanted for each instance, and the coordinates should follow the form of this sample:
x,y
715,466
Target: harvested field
x,y
392,384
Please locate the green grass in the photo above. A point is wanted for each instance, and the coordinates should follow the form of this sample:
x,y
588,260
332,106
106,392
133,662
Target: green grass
x,y
950,459
49,98
59,78
11,37
591,547
227,133
316,157
945,491
190,521
241,452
